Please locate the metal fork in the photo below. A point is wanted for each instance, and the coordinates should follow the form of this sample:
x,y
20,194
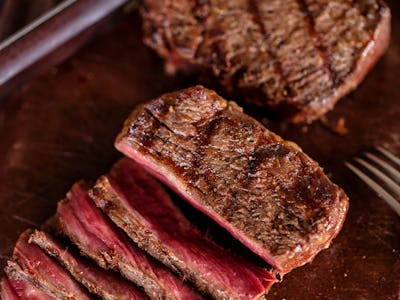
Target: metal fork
x,y
381,172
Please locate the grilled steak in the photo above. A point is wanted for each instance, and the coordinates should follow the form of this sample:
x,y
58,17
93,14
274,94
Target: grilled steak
x,y
139,205
99,239
264,190
297,57
12,289
30,264
105,284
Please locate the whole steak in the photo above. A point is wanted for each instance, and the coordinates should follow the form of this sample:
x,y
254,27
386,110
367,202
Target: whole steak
x,y
264,190
297,57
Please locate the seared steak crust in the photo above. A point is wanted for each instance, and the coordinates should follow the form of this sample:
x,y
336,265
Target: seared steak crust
x,y
297,57
264,190
105,284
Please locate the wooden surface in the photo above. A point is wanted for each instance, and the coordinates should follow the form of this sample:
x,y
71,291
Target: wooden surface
x,y
60,127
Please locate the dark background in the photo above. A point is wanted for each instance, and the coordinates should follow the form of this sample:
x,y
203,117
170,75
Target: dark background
x,y
60,127
14,14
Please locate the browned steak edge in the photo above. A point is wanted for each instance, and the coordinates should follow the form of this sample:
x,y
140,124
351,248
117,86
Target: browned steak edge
x,y
164,171
375,48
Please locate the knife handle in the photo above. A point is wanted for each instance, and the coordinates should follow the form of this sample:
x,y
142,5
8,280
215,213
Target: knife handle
x,y
50,39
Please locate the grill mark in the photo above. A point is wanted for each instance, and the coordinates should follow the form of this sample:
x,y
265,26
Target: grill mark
x,y
317,42
257,155
159,122
253,9
146,139
204,137
169,141
203,140
253,162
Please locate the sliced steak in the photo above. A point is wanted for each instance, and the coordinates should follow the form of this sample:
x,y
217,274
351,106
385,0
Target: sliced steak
x,y
98,238
105,284
31,265
299,67
12,289
264,190
7,291
139,205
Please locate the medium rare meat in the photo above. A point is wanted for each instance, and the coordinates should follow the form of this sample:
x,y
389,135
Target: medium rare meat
x,y
104,284
140,206
31,265
7,291
264,190
98,238
12,289
297,57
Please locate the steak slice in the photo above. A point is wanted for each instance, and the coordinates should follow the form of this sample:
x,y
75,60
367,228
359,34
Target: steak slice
x,y
140,206
31,265
12,289
7,291
264,190
299,67
105,284
98,238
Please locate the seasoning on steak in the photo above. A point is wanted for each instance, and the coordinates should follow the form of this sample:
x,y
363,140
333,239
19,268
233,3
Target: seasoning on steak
x,y
140,206
30,264
98,238
105,284
265,191
12,289
297,57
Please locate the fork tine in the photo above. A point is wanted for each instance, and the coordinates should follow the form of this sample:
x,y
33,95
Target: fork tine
x,y
389,155
383,164
376,187
393,185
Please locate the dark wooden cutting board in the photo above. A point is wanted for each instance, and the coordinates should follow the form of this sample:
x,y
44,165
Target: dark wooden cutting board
x,y
60,127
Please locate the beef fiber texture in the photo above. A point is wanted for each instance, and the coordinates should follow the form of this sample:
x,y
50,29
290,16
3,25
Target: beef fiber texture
x,y
31,265
13,289
297,57
97,237
140,206
265,191
105,284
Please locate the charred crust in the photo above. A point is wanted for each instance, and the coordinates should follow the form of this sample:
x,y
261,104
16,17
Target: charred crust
x,y
264,76
263,186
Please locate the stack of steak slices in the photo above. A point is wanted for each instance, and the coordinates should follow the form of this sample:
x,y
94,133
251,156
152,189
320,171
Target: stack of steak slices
x,y
123,237
297,57
97,238
137,204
